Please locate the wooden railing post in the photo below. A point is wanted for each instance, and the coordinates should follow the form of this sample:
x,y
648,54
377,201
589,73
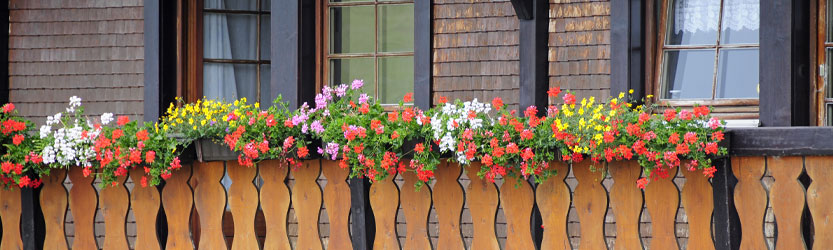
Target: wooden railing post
x,y
364,224
31,219
726,220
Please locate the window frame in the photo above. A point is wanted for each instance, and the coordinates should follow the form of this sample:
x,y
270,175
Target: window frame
x,y
323,42
821,73
655,84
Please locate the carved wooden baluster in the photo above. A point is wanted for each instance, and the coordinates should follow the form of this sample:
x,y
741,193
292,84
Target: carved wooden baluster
x,y
819,193
591,205
698,201
115,202
553,198
663,200
337,201
53,200
448,202
416,204
243,203
787,196
210,201
10,208
306,197
517,198
750,200
384,199
274,199
177,200
483,202
626,203
146,202
83,201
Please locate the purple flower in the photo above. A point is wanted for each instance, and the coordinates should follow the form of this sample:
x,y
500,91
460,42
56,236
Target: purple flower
x,y
298,119
357,84
304,128
317,127
328,92
320,101
332,150
341,90
320,151
363,98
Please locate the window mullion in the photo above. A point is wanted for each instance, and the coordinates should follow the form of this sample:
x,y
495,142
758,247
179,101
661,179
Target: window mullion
x,y
717,50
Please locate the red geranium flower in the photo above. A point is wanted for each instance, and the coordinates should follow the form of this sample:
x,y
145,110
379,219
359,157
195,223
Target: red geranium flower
x,y
17,139
8,108
554,91
409,97
122,120
497,103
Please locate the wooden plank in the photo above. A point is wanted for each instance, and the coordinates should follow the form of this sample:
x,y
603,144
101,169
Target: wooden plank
x,y
10,209
306,198
210,202
518,198
384,199
448,203
242,201
663,199
483,202
532,54
750,200
337,201
416,204
770,141
553,197
53,200
146,198
787,196
82,204
698,201
177,200
626,203
423,51
820,170
115,202
591,205
274,200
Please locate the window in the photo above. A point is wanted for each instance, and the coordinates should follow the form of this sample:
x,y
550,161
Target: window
x,y
825,59
235,47
708,51
371,40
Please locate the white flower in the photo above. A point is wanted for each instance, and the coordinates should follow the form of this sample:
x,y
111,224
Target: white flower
x,y
44,131
106,118
74,101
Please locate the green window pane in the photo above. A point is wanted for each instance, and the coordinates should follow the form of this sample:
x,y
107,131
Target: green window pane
x,y
396,28
737,74
230,36
688,74
396,78
351,29
348,69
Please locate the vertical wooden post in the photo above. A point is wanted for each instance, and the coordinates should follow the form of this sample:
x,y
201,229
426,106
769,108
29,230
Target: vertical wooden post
x,y
726,221
627,50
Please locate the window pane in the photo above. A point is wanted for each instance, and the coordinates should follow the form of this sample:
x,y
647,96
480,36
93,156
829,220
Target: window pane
x,y
225,81
829,118
344,1
396,27
231,4
265,37
351,29
230,36
266,5
741,19
688,74
396,78
347,70
693,22
737,74
828,89
265,86
829,20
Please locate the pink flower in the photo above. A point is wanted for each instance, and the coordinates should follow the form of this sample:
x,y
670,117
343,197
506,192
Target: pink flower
x,y
357,84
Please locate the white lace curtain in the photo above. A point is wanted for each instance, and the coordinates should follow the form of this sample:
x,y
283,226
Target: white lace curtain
x,y
703,15
229,37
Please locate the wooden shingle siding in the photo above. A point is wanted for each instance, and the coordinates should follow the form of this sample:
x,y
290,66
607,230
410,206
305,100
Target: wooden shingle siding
x,y
579,41
93,49
475,50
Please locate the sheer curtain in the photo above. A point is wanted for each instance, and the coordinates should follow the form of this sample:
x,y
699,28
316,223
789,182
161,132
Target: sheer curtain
x,y
229,36
703,15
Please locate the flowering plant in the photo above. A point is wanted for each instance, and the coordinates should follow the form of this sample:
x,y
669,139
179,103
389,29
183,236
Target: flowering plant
x,y
72,143
20,158
257,128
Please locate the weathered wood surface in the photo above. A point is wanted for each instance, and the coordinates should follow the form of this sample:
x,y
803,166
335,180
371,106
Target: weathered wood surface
x,y
787,196
662,200
416,204
448,202
10,208
483,200
626,203
306,198
53,200
83,201
820,199
243,203
337,201
177,200
698,202
146,198
210,202
553,197
591,205
518,198
750,199
274,200
115,202
384,199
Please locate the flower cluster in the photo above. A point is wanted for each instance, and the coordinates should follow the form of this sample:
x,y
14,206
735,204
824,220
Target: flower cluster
x,y
71,142
21,156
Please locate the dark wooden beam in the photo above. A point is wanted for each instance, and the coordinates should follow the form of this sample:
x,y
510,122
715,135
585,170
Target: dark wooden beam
x,y
524,9
726,221
532,43
152,62
627,55
423,40
293,51
785,63
781,141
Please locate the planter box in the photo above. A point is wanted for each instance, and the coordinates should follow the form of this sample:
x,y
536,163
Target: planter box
x,y
208,150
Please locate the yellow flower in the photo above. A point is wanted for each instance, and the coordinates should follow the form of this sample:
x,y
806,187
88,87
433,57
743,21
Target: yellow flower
x,y
630,91
583,101
581,111
649,96
203,122
195,127
621,94
597,137
257,105
165,128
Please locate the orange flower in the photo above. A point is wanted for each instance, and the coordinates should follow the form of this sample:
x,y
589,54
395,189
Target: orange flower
x,y
409,97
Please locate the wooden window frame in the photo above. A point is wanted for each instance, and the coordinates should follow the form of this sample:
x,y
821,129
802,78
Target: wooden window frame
x,y
821,59
322,25
658,48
